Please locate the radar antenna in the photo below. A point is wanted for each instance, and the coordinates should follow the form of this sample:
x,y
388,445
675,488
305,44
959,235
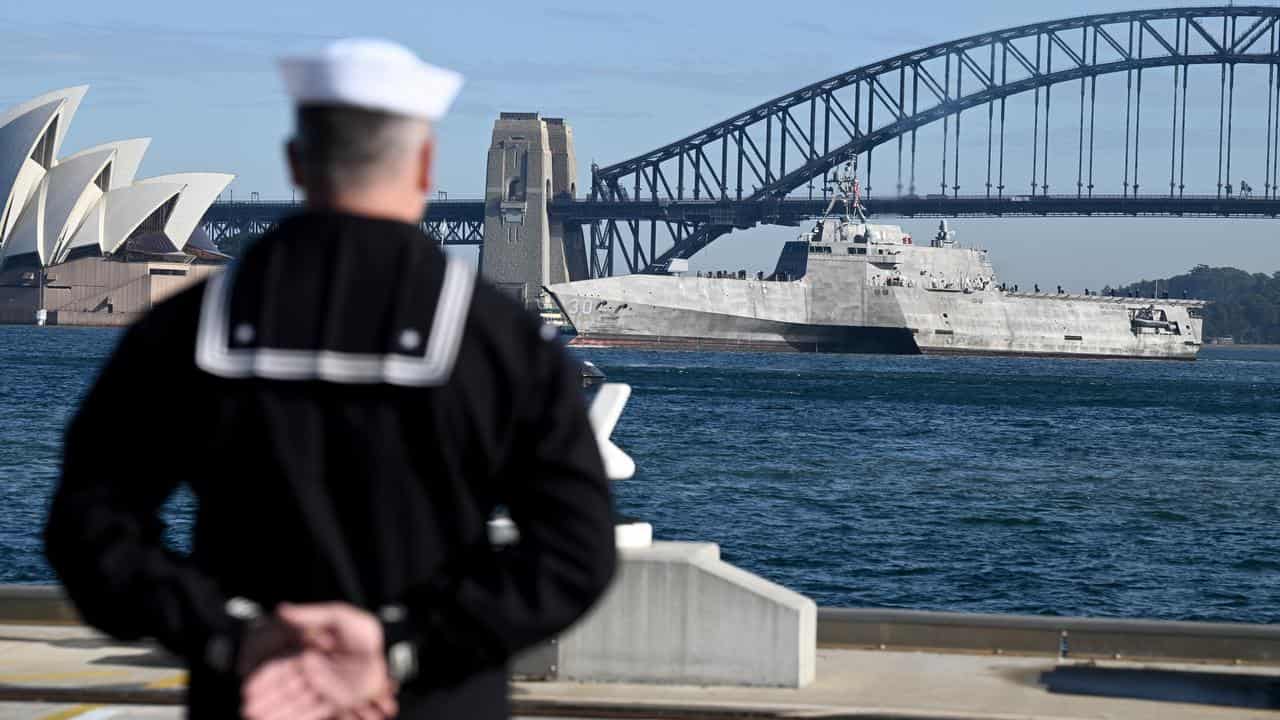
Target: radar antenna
x,y
848,192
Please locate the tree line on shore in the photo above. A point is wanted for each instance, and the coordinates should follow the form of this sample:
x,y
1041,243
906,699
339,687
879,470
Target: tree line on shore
x,y
1244,306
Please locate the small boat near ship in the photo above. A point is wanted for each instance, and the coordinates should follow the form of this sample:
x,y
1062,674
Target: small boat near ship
x,y
591,374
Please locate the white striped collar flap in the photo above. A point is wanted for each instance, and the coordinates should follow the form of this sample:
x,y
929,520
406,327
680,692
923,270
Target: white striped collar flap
x,y
215,354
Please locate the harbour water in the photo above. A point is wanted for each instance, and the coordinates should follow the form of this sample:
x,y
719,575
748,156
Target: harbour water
x,y
1111,488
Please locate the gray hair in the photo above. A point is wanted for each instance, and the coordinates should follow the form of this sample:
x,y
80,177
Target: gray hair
x,y
342,148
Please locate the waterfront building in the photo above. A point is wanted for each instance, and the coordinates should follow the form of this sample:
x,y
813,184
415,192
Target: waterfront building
x,y
82,240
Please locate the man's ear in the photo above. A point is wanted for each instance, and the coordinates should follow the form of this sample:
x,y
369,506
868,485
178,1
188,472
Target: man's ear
x,y
426,154
295,164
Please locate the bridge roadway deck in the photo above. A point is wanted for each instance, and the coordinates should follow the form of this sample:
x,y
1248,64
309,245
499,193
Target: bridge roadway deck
x,y
743,213
792,210
65,671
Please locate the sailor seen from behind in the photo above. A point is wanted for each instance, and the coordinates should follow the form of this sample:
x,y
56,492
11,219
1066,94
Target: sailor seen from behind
x,y
349,407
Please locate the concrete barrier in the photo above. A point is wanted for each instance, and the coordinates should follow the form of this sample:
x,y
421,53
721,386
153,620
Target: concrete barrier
x,y
1073,637
678,614
658,580
36,605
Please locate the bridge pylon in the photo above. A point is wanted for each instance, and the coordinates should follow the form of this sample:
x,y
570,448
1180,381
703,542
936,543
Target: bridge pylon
x,y
564,186
531,161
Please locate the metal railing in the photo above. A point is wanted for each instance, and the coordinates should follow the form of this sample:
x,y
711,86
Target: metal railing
x,y
916,630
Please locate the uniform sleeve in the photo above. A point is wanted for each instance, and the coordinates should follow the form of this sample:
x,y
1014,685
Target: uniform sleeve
x,y
104,534
496,603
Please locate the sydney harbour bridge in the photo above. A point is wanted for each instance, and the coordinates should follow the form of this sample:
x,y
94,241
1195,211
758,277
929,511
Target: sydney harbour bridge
x,y
1166,112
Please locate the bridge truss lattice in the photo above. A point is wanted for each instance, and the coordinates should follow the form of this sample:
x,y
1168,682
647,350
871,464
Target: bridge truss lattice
x,y
738,172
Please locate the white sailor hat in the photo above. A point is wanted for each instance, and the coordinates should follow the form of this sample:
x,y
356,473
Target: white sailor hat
x,y
371,74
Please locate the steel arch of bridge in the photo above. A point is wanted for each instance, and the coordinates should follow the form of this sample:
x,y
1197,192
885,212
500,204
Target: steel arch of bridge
x,y
785,143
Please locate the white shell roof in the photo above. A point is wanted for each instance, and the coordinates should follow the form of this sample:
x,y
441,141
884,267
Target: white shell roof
x,y
71,191
18,136
129,206
128,158
69,100
24,238
199,190
58,204
21,127
63,209
20,192
91,231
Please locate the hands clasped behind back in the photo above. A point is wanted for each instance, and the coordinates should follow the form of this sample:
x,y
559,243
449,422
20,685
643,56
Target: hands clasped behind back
x,y
316,662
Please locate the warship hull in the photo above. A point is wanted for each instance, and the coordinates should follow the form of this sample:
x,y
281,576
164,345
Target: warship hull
x,y
850,286
712,314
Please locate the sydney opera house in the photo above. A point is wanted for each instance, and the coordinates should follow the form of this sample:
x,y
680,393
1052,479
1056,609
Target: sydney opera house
x,y
82,240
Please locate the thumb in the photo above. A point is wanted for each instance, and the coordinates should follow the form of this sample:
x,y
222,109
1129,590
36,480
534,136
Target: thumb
x,y
312,615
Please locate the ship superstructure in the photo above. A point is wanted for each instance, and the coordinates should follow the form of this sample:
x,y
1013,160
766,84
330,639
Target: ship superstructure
x,y
848,285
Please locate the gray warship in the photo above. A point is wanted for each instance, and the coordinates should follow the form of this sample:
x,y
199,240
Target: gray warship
x,y
850,286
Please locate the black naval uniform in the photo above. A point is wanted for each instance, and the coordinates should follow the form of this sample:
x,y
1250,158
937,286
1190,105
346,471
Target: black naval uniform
x,y
348,408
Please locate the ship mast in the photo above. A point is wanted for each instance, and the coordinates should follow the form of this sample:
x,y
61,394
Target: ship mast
x,y
848,192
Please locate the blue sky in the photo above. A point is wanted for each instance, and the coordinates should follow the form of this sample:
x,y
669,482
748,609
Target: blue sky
x,y
199,78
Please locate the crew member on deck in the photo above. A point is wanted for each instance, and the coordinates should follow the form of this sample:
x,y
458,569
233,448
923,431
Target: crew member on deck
x,y
348,407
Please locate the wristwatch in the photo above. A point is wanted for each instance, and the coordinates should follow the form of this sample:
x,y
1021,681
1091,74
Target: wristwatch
x,y
402,652
222,651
